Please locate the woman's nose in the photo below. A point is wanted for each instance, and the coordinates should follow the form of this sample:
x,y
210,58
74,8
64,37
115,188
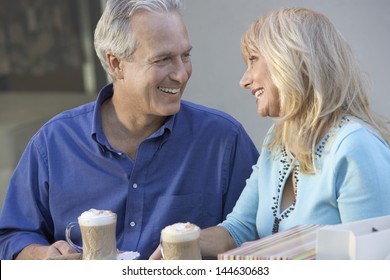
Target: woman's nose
x,y
245,80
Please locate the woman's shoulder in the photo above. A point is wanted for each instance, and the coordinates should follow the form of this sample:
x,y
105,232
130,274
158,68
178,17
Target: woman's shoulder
x,y
355,134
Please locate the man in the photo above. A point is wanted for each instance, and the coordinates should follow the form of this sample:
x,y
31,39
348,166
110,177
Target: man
x,y
139,150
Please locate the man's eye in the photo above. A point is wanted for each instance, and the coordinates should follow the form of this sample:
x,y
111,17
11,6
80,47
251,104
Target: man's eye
x,y
161,60
186,57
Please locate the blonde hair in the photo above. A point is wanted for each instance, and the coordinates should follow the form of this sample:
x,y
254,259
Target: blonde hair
x,y
317,77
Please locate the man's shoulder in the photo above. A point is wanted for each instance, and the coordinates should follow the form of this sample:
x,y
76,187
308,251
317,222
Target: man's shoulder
x,y
74,114
75,119
207,113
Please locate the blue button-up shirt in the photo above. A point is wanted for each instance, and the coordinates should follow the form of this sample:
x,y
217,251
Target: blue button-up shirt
x,y
191,170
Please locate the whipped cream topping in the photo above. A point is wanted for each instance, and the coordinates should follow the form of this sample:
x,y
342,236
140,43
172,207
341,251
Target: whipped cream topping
x,y
93,217
180,232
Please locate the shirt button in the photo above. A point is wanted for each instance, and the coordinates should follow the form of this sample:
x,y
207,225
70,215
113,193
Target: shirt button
x,y
132,224
135,186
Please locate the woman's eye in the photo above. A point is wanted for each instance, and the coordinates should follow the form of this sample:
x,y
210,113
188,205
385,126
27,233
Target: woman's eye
x,y
252,58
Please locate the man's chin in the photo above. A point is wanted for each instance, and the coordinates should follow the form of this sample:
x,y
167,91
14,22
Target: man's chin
x,y
170,110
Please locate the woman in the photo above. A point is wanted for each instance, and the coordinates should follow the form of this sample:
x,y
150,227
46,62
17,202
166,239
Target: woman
x,y
326,159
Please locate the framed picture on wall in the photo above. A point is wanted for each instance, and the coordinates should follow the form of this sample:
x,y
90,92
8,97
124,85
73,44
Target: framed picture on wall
x,y
47,45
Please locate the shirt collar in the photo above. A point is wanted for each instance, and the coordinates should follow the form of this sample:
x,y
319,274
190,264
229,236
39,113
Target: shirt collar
x,y
97,128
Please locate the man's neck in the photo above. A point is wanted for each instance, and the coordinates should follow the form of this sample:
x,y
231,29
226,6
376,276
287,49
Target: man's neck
x,y
125,130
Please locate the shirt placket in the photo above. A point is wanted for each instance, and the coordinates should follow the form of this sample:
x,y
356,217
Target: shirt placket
x,y
135,204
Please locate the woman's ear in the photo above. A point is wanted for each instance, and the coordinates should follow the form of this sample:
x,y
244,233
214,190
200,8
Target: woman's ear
x,y
115,66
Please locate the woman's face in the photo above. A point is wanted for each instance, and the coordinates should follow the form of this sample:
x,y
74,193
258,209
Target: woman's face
x,y
258,80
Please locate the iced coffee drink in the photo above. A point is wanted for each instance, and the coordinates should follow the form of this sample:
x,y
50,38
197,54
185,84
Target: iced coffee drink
x,y
180,241
98,231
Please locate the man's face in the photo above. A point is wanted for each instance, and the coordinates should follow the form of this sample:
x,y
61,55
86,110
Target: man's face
x,y
155,79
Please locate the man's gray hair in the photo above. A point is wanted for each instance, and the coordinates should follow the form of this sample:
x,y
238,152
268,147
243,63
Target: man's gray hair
x,y
113,31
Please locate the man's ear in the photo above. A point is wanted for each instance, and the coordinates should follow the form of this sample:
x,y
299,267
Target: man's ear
x,y
115,65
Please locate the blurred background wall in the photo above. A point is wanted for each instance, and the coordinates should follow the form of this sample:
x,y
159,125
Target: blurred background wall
x,y
47,46
48,64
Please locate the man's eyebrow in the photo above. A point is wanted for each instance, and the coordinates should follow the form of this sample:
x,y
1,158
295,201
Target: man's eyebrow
x,y
168,53
189,49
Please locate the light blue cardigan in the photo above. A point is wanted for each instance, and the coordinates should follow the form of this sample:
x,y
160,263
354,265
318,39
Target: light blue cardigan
x,y
352,182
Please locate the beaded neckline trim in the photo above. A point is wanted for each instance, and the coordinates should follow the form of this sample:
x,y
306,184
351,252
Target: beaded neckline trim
x,y
283,175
